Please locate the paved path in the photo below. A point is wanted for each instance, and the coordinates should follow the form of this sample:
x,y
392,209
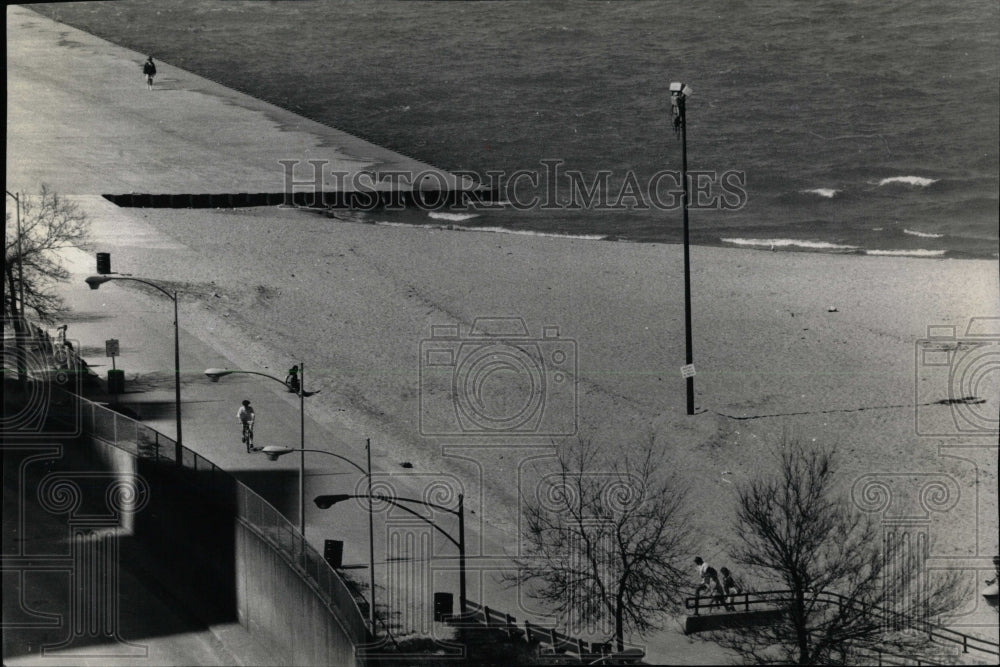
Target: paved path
x,y
80,118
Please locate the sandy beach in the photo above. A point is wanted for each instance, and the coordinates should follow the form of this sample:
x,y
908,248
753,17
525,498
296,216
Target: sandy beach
x,y
817,347
356,301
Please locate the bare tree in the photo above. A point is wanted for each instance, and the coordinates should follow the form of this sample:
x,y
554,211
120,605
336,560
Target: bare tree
x,y
799,535
49,224
600,541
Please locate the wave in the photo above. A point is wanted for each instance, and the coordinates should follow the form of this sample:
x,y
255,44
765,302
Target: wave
x,y
494,230
908,180
923,235
528,232
785,243
906,253
828,193
455,217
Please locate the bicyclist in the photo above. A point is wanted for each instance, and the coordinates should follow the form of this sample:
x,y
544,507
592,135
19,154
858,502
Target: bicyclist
x,y
246,416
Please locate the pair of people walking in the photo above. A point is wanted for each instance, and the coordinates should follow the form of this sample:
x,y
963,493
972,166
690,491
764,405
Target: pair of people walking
x,y
722,591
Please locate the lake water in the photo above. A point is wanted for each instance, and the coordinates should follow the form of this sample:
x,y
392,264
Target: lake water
x,y
833,126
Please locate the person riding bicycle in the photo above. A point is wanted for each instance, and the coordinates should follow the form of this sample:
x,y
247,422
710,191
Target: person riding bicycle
x,y
246,416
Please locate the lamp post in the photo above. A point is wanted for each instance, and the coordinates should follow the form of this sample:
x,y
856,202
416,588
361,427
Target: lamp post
x,y
19,333
678,96
272,452
215,373
325,502
95,282
20,257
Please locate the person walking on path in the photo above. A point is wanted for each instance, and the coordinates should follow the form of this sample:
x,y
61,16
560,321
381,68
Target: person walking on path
x,y
709,582
149,70
246,416
292,379
731,588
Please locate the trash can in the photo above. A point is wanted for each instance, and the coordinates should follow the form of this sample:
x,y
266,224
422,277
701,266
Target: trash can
x,y
116,381
444,604
333,553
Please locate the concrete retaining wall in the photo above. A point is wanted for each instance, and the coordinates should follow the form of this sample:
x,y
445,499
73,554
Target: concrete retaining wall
x,y
221,548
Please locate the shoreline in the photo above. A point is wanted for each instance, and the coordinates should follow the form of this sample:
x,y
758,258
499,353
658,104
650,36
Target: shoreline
x,y
357,304
769,245
897,180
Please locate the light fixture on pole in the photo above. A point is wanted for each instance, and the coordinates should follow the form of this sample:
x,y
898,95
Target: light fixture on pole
x,y
273,452
215,373
679,93
325,502
95,282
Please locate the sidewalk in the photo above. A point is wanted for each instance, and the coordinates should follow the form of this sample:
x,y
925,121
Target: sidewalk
x,y
80,119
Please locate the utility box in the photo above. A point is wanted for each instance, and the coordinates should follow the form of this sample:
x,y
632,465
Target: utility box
x,y
104,263
333,552
116,381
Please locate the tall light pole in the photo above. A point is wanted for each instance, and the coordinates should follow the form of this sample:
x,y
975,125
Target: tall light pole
x,y
215,373
678,96
325,502
20,256
273,452
95,282
19,330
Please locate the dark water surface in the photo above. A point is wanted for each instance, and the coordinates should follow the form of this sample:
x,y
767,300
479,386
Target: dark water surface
x,y
843,126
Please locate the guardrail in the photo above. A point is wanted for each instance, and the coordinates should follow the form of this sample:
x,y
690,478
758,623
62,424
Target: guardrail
x,y
250,509
771,599
549,640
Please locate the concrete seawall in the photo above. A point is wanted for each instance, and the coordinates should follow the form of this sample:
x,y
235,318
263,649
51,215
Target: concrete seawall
x,y
80,119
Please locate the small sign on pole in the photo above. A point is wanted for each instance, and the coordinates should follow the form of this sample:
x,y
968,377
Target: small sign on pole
x,y
687,371
111,350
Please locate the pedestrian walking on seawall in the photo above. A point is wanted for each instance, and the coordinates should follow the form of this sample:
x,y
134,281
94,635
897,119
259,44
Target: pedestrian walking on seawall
x,y
149,71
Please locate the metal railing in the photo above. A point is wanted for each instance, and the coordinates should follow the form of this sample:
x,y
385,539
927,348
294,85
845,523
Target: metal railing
x,y
550,641
771,599
249,508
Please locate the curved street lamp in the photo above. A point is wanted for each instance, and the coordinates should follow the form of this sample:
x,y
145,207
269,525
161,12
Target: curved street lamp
x,y
273,452
327,501
95,282
215,373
